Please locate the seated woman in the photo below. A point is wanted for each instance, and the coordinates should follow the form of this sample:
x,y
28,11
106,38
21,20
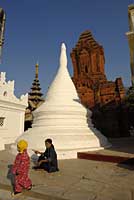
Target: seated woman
x,y
48,159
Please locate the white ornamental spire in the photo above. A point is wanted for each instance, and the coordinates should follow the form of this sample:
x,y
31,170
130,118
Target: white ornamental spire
x,y
62,88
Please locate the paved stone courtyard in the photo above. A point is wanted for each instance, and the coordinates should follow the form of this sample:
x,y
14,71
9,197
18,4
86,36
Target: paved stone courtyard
x,y
77,180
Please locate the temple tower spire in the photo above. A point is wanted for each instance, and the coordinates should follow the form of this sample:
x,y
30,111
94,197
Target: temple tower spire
x,y
35,99
36,70
2,30
35,94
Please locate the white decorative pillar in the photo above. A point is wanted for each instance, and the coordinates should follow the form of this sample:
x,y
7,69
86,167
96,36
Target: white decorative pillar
x,y
130,36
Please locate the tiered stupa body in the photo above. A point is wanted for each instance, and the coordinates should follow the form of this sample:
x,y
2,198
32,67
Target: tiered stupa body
x,y
64,119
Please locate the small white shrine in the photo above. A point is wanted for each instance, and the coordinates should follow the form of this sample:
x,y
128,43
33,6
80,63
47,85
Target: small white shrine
x,y
12,110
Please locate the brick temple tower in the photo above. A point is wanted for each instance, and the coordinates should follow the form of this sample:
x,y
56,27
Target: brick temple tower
x,y
89,73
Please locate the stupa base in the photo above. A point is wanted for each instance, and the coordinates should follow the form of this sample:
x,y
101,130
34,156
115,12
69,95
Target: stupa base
x,y
64,154
72,154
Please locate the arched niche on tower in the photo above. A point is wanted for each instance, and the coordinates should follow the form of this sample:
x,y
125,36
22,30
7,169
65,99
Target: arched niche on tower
x,y
84,60
75,63
102,61
93,61
97,62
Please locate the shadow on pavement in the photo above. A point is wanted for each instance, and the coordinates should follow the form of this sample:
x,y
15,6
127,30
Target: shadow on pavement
x,y
10,176
127,164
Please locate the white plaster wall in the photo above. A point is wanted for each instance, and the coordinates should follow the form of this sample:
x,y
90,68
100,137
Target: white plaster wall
x,y
13,110
13,124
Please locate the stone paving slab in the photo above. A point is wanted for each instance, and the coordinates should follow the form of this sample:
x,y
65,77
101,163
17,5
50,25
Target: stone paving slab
x,y
5,194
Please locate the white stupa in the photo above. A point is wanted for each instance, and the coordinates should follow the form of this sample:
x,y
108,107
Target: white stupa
x,y
63,119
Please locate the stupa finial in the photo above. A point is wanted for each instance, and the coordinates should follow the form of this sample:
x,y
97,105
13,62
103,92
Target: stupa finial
x,y
63,46
63,56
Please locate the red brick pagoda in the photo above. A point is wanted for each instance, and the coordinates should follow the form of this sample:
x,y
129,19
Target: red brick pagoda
x,y
89,74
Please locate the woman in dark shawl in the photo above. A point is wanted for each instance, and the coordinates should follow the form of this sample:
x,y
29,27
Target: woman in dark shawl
x,y
48,159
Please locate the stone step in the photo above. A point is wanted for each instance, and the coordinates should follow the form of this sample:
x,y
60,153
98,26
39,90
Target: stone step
x,y
101,157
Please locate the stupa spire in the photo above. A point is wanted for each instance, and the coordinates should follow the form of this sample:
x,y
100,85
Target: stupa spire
x,y
62,85
63,56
